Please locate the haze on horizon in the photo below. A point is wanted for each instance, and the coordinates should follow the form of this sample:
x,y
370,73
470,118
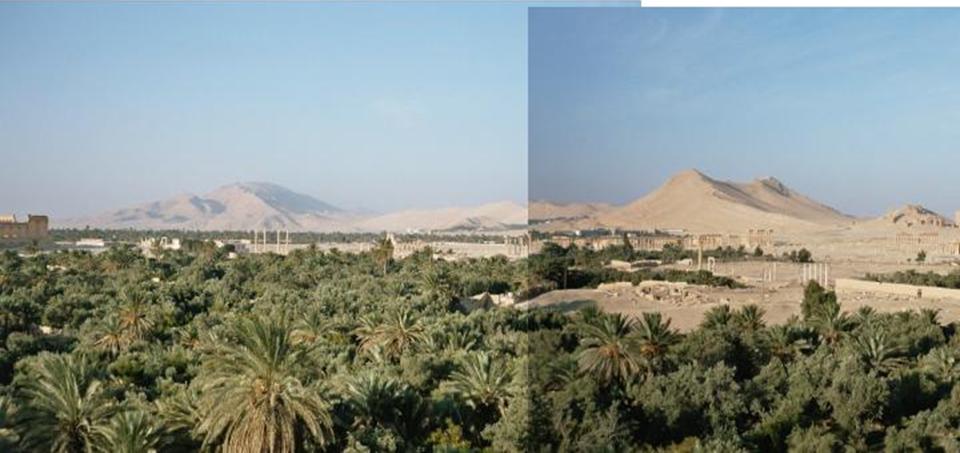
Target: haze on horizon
x,y
372,106
855,108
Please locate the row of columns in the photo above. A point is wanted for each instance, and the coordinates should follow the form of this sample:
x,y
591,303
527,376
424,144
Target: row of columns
x,y
769,273
260,242
819,272
517,246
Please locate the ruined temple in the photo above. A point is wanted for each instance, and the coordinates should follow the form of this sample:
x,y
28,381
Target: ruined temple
x,y
915,215
34,228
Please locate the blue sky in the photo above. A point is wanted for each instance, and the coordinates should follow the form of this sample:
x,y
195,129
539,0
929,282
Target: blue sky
x,y
859,109
368,105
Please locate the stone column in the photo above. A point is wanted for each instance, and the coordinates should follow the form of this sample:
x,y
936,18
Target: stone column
x,y
699,254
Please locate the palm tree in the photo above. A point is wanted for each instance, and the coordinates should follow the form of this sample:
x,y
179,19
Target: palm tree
x,y
750,318
189,336
64,405
943,363
865,315
135,318
786,342
717,317
930,315
251,397
376,401
383,252
110,336
877,353
609,350
393,337
366,333
8,436
654,336
310,327
449,341
179,415
830,322
370,398
437,284
482,381
128,432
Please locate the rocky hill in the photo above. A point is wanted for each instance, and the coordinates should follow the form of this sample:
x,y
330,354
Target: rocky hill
x,y
693,201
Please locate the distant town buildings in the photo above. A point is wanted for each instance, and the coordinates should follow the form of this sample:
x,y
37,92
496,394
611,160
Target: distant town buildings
x,y
91,243
149,245
36,227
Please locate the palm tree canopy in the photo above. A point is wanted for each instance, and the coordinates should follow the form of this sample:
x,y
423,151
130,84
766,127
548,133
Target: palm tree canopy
x,y
654,337
482,381
128,432
251,394
65,405
609,351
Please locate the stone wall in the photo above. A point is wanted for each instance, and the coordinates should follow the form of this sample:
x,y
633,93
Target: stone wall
x,y
898,289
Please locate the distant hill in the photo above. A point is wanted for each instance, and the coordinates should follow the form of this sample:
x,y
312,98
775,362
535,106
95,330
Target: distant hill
x,y
493,216
693,201
911,216
545,210
260,205
241,206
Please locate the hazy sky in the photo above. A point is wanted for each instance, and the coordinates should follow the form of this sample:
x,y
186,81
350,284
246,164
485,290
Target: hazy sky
x,y
368,105
859,109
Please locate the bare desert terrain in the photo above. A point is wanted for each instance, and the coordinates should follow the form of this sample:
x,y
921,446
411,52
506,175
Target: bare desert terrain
x,y
780,299
699,207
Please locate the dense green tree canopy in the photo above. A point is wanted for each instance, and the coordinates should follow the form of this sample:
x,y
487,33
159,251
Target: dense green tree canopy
x,y
326,351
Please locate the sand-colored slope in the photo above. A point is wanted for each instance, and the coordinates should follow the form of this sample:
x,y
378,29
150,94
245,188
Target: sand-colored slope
x,y
492,216
777,197
545,210
693,201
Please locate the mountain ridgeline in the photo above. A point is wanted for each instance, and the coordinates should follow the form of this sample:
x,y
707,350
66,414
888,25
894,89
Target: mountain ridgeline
x,y
260,205
695,202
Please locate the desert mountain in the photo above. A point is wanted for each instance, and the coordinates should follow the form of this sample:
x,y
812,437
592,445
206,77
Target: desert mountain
x,y
258,205
492,216
240,206
695,202
545,210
